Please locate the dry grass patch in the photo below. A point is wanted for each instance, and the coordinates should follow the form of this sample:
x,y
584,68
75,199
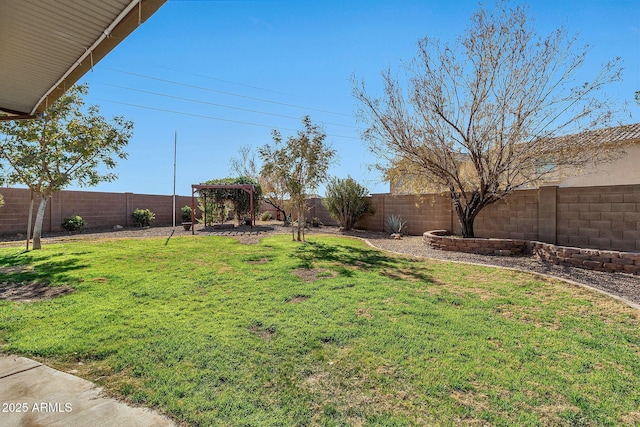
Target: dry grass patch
x,y
313,274
363,312
298,299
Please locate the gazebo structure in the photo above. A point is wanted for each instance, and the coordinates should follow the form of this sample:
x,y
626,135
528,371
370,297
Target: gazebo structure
x,y
249,188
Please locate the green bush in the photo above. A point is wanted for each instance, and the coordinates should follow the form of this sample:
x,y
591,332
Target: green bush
x,y
186,213
346,201
142,217
73,223
266,216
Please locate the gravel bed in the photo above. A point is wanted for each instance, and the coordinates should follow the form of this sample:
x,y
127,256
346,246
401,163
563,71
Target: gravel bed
x,y
623,286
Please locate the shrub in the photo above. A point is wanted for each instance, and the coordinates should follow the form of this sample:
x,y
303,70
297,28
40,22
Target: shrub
x,y
346,201
396,224
266,216
73,223
186,213
142,217
315,222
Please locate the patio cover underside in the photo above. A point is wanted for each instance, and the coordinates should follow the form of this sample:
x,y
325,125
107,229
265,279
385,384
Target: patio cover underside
x,y
48,45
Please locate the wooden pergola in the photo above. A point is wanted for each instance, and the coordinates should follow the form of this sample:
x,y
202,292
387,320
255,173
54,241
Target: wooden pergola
x,y
249,188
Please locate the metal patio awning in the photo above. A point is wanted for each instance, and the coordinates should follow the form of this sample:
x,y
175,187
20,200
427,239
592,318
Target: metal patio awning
x,y
48,45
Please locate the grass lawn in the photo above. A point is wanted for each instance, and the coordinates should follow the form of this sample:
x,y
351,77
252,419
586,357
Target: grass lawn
x,y
330,333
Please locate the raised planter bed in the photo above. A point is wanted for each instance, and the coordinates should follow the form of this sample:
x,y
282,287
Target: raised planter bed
x,y
442,239
590,259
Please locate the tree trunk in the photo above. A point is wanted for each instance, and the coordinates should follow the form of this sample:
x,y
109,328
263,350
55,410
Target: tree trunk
x,y
37,228
30,220
299,222
467,212
467,226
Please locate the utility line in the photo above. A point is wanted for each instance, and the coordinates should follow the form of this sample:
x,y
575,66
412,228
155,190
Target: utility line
x,y
202,116
217,105
219,80
229,93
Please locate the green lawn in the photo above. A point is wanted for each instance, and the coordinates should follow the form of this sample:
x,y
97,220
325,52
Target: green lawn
x,y
331,332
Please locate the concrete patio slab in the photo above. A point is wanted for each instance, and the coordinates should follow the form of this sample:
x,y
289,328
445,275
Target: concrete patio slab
x,y
32,394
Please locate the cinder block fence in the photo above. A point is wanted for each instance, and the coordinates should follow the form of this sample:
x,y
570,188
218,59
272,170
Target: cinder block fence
x,y
605,217
99,210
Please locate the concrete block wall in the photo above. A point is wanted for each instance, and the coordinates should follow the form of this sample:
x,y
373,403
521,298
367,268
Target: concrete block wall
x,y
599,217
318,210
98,209
374,221
515,217
426,212
605,217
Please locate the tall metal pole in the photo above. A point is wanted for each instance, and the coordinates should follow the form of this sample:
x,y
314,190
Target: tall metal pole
x,y
175,151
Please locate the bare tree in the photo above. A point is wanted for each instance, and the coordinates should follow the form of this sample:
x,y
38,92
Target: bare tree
x,y
273,192
486,114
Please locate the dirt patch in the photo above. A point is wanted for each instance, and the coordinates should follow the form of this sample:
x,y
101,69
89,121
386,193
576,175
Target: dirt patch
x,y
259,261
15,269
363,312
31,291
263,332
298,299
313,274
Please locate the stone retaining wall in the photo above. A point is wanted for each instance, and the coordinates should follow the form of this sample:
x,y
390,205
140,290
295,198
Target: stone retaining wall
x,y
441,239
591,259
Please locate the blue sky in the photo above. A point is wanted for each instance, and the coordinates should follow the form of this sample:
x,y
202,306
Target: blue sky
x,y
225,73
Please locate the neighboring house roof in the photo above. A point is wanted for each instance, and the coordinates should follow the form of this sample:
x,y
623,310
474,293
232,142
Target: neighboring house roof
x,y
617,135
48,45
621,171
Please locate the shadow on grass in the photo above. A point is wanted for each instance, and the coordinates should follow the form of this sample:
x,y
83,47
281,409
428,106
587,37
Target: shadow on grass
x,y
366,259
166,243
25,267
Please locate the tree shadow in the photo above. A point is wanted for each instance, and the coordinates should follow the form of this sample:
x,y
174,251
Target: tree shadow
x,y
24,267
394,267
236,229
